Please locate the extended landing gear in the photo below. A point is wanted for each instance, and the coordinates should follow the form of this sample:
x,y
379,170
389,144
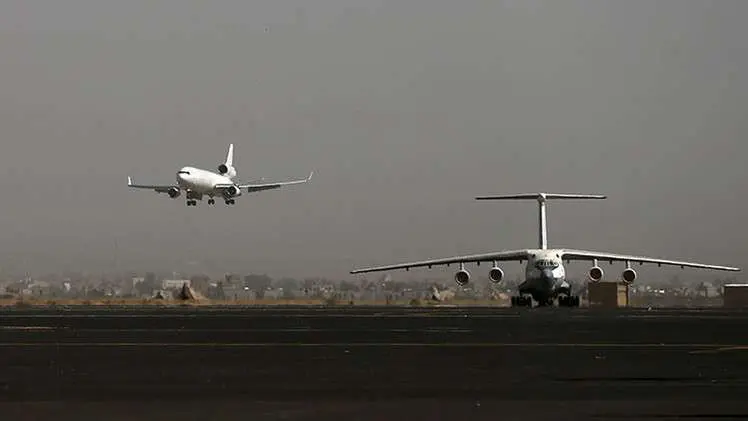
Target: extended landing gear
x,y
522,301
568,301
210,202
563,301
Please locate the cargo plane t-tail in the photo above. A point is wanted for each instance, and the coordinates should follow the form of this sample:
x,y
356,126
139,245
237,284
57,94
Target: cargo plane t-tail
x,y
197,183
545,276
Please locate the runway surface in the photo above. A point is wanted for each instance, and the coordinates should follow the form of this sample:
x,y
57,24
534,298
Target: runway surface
x,y
304,363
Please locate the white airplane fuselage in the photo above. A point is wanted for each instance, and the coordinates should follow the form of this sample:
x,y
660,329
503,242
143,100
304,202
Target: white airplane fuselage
x,y
198,182
545,275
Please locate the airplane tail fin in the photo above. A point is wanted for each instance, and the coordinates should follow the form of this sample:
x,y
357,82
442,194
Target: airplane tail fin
x,y
542,198
227,168
230,156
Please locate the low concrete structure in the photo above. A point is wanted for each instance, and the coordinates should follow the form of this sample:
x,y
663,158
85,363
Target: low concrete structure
x,y
735,296
608,294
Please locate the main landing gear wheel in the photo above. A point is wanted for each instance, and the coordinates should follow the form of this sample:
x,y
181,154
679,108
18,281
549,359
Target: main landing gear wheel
x,y
520,301
230,202
546,303
192,203
211,201
568,301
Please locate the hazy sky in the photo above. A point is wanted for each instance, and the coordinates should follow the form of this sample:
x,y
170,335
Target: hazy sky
x,y
406,109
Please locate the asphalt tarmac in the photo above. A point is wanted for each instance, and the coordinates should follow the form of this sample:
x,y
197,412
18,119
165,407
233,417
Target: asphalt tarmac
x,y
372,363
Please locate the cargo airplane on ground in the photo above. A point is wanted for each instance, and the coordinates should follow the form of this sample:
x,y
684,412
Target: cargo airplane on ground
x,y
545,276
197,183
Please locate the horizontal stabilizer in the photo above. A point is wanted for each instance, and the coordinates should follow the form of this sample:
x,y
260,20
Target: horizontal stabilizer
x,y
542,196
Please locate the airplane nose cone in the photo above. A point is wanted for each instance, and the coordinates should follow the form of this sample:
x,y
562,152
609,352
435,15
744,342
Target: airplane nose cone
x,y
182,175
547,274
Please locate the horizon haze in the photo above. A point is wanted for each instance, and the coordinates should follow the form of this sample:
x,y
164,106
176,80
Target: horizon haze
x,y
405,111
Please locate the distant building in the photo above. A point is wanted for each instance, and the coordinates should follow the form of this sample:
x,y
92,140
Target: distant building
x,y
150,278
274,294
174,283
200,282
231,279
232,292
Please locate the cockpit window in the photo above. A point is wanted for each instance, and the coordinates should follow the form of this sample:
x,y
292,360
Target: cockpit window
x,y
183,172
546,264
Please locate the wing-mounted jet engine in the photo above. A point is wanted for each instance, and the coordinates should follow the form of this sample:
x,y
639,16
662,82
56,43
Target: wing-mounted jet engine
x,y
496,275
174,192
596,273
233,191
462,277
628,276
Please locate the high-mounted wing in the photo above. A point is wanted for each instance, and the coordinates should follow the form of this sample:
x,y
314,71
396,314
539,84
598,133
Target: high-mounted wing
x,y
611,257
158,188
255,187
486,257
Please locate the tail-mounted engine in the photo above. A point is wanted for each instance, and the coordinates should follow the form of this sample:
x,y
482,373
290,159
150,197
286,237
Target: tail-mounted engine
x,y
174,192
628,276
595,274
226,170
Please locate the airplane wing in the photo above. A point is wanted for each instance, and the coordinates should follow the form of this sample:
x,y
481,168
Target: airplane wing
x,y
158,188
486,257
255,187
611,257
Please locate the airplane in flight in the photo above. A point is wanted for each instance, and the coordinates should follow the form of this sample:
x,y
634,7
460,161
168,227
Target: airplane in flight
x,y
197,183
545,275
